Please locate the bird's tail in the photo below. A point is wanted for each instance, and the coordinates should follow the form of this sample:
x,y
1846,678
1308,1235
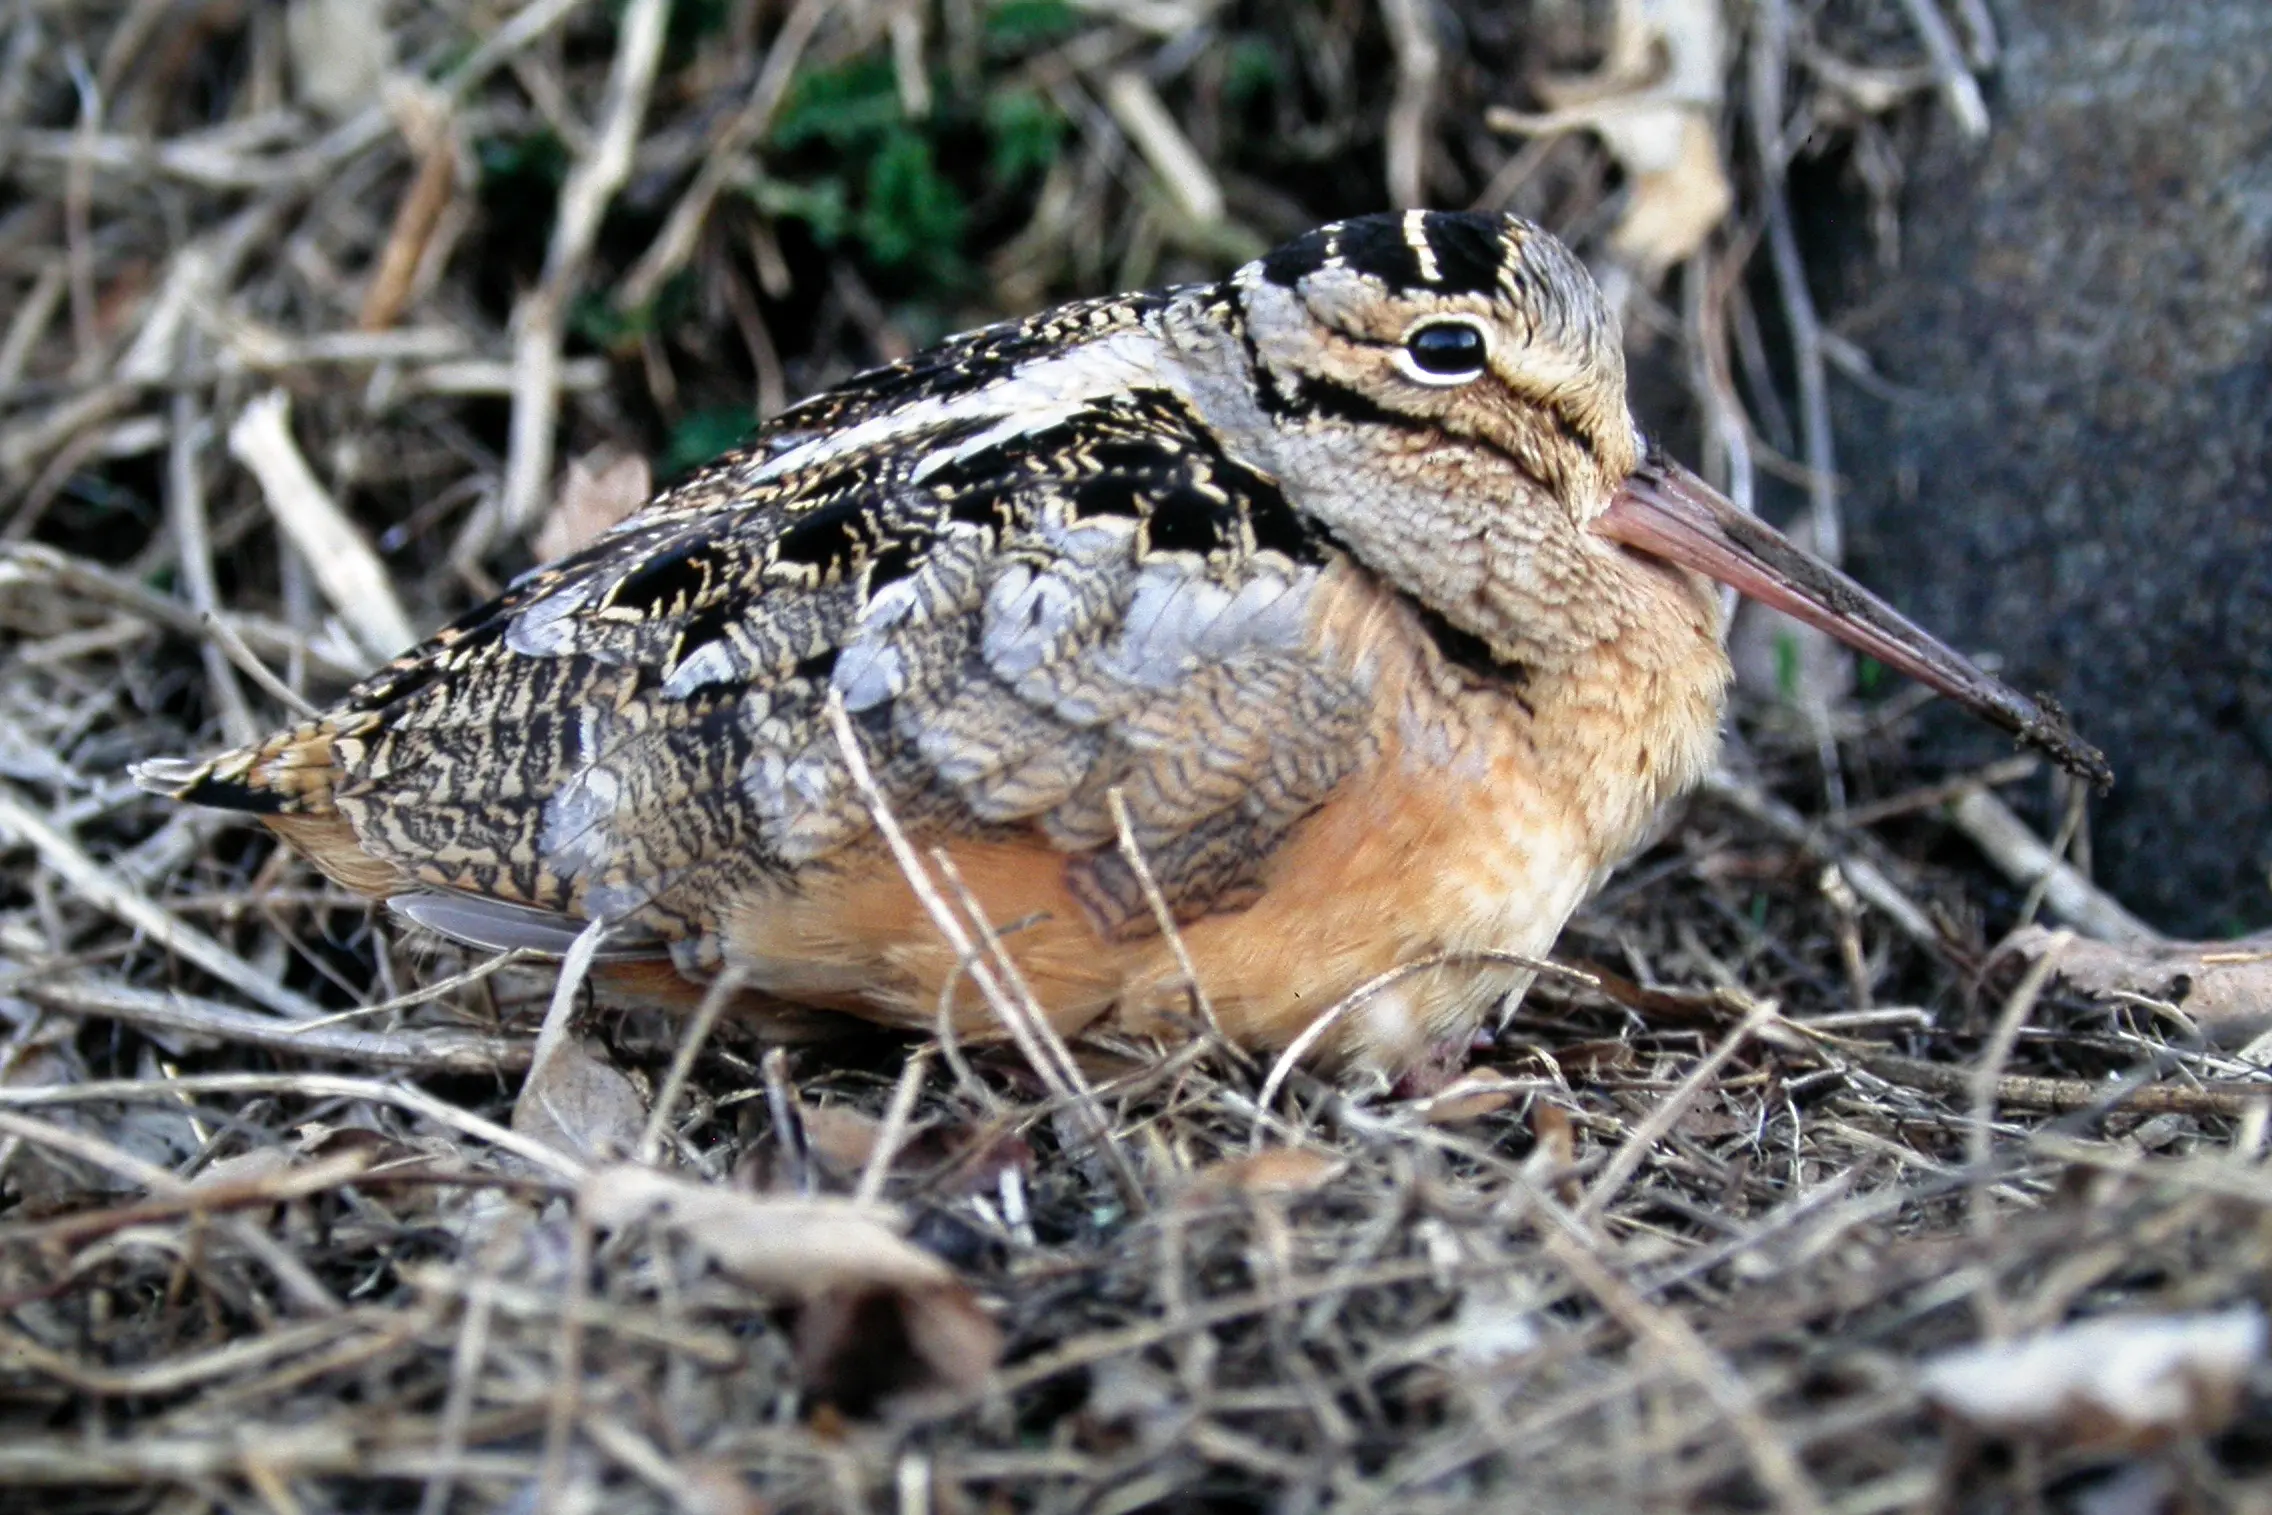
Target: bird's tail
x,y
290,773
291,782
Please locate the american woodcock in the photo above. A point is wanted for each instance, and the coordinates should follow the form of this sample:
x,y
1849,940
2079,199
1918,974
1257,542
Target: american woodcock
x,y
1351,572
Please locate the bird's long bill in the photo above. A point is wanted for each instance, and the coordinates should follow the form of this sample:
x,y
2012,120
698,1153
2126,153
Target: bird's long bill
x,y
1668,512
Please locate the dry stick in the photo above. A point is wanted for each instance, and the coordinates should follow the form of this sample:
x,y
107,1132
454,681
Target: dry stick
x,y
1766,60
78,233
427,994
539,320
950,1046
197,275
225,637
1316,1030
415,216
313,1451
714,1000
567,1366
176,1198
1629,1156
95,884
1419,62
1865,877
1190,183
553,1034
96,1153
193,554
1069,1084
1162,916
1933,796
32,563
1704,316
1767,57
1958,87
2140,1095
645,1460
722,162
435,1051
174,1375
1036,1039
1676,1340
788,1117
411,1099
894,1131
349,572
1989,824
30,322
2062,847
289,1271
1980,1135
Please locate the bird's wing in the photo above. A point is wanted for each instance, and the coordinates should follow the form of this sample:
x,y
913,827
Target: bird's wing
x,y
1020,615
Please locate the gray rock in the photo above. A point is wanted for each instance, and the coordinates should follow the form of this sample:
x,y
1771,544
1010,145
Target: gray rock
x,y
2081,477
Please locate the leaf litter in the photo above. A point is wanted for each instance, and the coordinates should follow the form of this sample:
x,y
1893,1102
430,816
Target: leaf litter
x,y
1806,1193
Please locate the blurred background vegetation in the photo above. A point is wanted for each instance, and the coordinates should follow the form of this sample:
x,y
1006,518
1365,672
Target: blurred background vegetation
x,y
807,189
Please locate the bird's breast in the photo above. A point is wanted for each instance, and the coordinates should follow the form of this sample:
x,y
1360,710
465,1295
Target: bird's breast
x,y
1496,800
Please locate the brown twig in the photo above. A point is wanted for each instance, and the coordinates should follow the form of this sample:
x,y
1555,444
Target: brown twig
x,y
437,1050
99,887
540,318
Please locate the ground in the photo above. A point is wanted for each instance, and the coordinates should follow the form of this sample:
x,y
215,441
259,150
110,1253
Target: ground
x,y
286,1224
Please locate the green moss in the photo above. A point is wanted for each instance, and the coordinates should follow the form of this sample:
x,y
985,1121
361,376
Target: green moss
x,y
1023,132
1251,70
847,107
907,206
702,435
535,159
1014,25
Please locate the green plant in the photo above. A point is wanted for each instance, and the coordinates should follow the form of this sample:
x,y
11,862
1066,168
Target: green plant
x,y
852,164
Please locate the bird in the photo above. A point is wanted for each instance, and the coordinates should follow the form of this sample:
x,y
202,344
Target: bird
x,y
1347,585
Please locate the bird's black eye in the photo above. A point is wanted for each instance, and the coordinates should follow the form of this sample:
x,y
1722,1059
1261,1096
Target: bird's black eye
x,y
1447,350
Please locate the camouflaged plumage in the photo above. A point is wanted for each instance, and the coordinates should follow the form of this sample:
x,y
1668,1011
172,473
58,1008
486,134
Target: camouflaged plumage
x,y
1349,574
1019,620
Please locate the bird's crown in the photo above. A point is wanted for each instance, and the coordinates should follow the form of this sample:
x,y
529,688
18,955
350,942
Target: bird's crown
x,y
1483,327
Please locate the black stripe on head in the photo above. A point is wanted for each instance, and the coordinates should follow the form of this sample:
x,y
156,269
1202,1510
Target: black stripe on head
x,y
1377,246
1470,251
1315,396
1289,264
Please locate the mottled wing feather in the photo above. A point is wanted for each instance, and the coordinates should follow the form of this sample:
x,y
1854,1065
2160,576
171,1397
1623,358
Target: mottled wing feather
x,y
1020,612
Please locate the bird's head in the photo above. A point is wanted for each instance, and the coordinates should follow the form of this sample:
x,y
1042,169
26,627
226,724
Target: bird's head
x,y
1445,394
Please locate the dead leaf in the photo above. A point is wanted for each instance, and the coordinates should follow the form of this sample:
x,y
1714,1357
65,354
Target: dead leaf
x,y
858,1349
881,1317
601,488
1655,104
246,1168
784,1244
1471,1096
2124,1381
841,1137
340,52
2225,988
1273,1170
581,1103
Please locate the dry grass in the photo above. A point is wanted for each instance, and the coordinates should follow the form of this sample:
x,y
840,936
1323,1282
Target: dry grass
x,y
282,1228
